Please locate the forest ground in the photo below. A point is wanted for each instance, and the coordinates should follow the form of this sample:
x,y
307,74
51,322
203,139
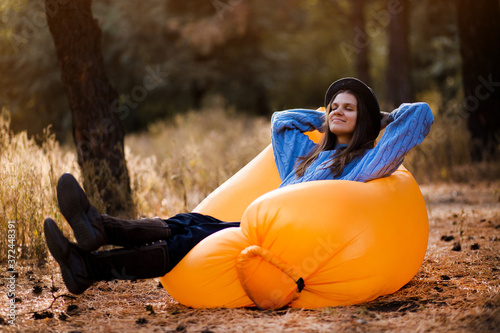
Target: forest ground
x,y
457,288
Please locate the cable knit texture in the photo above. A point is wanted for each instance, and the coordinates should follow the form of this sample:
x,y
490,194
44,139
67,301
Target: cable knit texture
x,y
410,125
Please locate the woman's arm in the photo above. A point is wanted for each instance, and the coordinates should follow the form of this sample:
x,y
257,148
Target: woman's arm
x,y
288,138
407,127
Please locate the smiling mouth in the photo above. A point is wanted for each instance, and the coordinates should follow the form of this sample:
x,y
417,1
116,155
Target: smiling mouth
x,y
338,120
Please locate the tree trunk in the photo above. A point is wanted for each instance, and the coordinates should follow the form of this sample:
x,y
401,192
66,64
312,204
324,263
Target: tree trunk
x,y
479,30
398,78
362,62
97,131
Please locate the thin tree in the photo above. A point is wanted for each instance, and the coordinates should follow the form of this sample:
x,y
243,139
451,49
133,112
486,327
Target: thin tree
x,y
97,130
362,61
398,74
479,30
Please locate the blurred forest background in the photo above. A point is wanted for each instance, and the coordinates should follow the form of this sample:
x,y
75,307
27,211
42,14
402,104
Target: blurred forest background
x,y
259,56
165,58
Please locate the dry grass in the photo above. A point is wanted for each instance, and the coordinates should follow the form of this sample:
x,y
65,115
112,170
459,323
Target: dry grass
x,y
28,174
173,167
454,291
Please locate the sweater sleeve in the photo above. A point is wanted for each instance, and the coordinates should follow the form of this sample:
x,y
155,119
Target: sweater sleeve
x,y
288,139
410,125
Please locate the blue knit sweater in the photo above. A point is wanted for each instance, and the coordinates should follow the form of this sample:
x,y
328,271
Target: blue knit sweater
x,y
409,125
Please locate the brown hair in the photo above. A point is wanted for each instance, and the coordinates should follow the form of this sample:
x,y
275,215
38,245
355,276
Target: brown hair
x,y
361,141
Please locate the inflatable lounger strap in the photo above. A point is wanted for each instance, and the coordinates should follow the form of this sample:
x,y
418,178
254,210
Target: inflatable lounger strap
x,y
277,283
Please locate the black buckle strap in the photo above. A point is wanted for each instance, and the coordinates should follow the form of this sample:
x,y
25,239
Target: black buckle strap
x,y
300,284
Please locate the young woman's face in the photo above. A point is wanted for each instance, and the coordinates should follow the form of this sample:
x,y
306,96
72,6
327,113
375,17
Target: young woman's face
x,y
342,117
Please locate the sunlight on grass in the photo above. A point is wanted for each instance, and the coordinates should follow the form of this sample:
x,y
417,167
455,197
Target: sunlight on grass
x,y
176,164
172,168
28,174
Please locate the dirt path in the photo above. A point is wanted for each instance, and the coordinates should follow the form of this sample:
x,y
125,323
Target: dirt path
x,y
456,290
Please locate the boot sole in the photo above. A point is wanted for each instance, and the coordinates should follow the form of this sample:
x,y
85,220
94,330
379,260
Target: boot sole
x,y
55,240
69,196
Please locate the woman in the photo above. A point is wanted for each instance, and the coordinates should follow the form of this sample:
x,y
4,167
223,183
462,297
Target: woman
x,y
152,247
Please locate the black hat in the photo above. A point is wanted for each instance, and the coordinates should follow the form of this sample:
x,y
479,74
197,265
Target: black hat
x,y
363,91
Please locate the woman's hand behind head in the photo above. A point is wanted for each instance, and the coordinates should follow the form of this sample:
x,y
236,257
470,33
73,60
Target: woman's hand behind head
x,y
384,119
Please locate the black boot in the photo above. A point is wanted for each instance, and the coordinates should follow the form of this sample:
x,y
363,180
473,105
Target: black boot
x,y
92,230
81,269
134,232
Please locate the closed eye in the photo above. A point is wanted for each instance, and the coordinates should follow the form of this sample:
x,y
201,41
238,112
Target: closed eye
x,y
348,107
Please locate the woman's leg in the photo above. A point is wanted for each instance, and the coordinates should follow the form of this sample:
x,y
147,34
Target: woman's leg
x,y
185,231
81,269
93,229
188,230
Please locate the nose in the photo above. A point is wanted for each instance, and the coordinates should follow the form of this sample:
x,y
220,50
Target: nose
x,y
338,111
